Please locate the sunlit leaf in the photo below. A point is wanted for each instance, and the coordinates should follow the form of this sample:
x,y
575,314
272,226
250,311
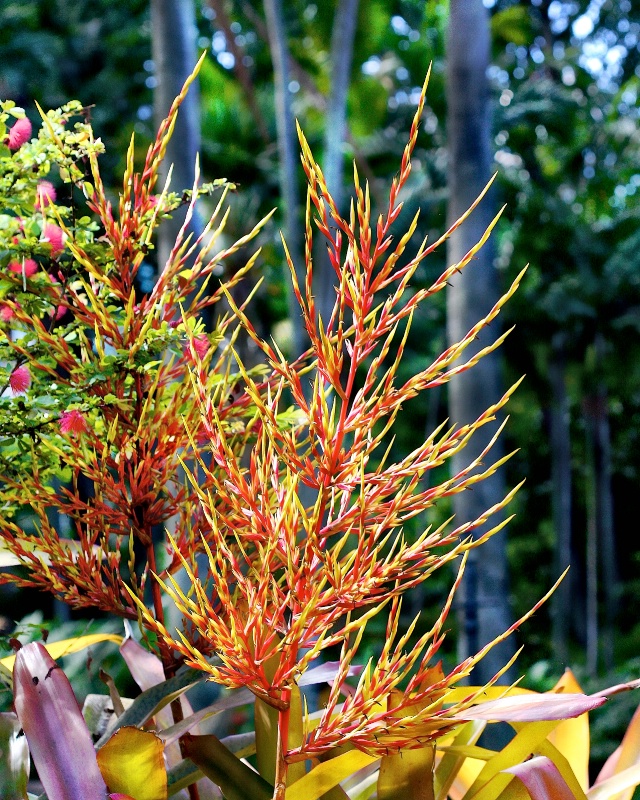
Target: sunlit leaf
x,y
132,763
524,743
449,764
147,704
65,647
542,779
408,773
328,774
571,737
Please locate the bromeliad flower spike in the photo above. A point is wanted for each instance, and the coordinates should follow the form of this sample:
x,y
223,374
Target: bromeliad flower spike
x,y
289,577
100,370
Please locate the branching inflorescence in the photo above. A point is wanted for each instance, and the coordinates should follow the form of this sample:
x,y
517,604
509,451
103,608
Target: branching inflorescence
x,y
305,523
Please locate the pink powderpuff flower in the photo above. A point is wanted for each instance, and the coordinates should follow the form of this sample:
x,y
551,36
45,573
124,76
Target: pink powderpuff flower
x,y
20,380
55,236
200,346
45,194
6,312
26,267
73,422
19,134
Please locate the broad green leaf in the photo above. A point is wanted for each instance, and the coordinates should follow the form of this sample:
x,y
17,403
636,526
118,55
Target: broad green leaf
x,y
59,740
266,725
14,759
235,778
132,763
542,779
571,737
450,763
408,773
65,647
186,773
328,774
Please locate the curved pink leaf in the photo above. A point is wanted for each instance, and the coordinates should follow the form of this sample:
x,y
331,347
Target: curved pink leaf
x,y
59,740
533,707
542,779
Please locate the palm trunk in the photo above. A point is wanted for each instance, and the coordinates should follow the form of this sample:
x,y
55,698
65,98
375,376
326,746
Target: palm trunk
x,y
174,55
561,497
343,33
484,608
287,153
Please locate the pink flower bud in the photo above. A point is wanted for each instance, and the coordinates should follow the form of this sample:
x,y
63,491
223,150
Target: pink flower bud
x,y
73,422
20,380
27,267
45,194
19,133
55,236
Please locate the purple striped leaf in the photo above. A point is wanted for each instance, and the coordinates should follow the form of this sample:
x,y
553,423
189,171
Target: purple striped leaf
x,y
58,737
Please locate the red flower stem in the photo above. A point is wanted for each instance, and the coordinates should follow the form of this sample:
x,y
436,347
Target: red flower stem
x,y
282,746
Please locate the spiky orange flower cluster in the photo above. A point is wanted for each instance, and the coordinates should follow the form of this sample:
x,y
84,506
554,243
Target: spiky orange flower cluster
x,y
305,538
121,360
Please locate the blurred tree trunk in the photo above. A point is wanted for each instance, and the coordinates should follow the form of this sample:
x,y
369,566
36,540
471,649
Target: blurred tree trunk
x,y
342,37
483,608
174,35
561,496
601,547
287,155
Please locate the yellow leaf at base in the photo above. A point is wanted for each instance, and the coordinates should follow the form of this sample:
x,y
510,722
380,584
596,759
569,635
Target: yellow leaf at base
x,y
328,774
132,763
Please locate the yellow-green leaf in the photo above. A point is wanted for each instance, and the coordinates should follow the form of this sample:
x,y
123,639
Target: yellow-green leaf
x,y
328,774
408,773
562,764
450,763
64,647
132,763
571,737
